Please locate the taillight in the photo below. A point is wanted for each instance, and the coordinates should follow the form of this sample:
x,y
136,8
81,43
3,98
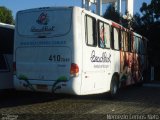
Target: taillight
x,y
14,67
74,70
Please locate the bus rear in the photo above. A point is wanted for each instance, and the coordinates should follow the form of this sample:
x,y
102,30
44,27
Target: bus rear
x,y
43,50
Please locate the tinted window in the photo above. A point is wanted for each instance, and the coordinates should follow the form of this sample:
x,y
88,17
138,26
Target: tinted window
x,y
48,23
6,40
125,41
3,63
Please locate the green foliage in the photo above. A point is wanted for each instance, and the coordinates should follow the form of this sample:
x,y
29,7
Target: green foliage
x,y
6,15
112,14
151,12
115,16
150,27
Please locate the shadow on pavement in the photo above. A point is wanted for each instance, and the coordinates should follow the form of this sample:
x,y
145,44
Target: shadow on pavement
x,y
144,95
17,98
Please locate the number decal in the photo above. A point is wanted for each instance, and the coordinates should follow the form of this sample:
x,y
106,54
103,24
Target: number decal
x,y
50,58
57,58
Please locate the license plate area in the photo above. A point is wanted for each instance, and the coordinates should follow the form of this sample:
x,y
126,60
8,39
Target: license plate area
x,y
42,87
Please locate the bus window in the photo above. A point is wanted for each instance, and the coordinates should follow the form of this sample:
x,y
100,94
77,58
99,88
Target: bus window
x,y
132,42
107,34
48,23
116,38
144,46
129,42
90,31
125,41
6,41
136,42
122,40
3,65
104,35
140,46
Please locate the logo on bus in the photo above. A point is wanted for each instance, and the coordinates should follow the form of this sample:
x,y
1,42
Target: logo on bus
x,y
104,58
43,19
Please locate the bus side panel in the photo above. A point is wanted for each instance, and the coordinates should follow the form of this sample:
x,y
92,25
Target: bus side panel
x,y
132,67
96,67
126,68
115,62
96,76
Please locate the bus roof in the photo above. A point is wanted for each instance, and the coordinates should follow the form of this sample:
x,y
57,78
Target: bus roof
x,y
7,25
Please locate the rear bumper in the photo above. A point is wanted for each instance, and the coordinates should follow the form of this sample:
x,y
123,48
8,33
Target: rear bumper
x,y
72,86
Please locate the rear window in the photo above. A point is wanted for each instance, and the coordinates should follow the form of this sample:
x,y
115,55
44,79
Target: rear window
x,y
46,23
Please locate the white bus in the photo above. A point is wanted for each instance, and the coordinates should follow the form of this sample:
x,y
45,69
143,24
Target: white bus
x,y
71,50
6,56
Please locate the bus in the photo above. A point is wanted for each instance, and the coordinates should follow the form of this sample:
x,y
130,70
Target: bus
x,y
71,50
6,56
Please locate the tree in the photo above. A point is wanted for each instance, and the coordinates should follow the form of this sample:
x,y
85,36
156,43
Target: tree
x,y
151,12
112,14
156,9
137,23
150,28
6,15
115,16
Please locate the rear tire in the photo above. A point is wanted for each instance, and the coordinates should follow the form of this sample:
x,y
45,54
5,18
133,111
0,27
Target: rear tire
x,y
114,86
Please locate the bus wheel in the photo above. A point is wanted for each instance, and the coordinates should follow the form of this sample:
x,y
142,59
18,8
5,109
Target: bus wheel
x,y
114,86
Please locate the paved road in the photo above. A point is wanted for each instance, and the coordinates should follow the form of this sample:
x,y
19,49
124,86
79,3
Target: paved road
x,y
136,101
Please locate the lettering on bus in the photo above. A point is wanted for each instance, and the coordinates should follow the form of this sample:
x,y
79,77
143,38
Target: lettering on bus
x,y
42,29
34,43
58,58
101,66
104,58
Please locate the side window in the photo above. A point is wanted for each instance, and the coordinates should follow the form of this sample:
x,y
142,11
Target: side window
x,y
90,31
116,38
3,65
122,40
107,35
142,46
129,42
132,43
125,41
104,35
136,44
6,40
